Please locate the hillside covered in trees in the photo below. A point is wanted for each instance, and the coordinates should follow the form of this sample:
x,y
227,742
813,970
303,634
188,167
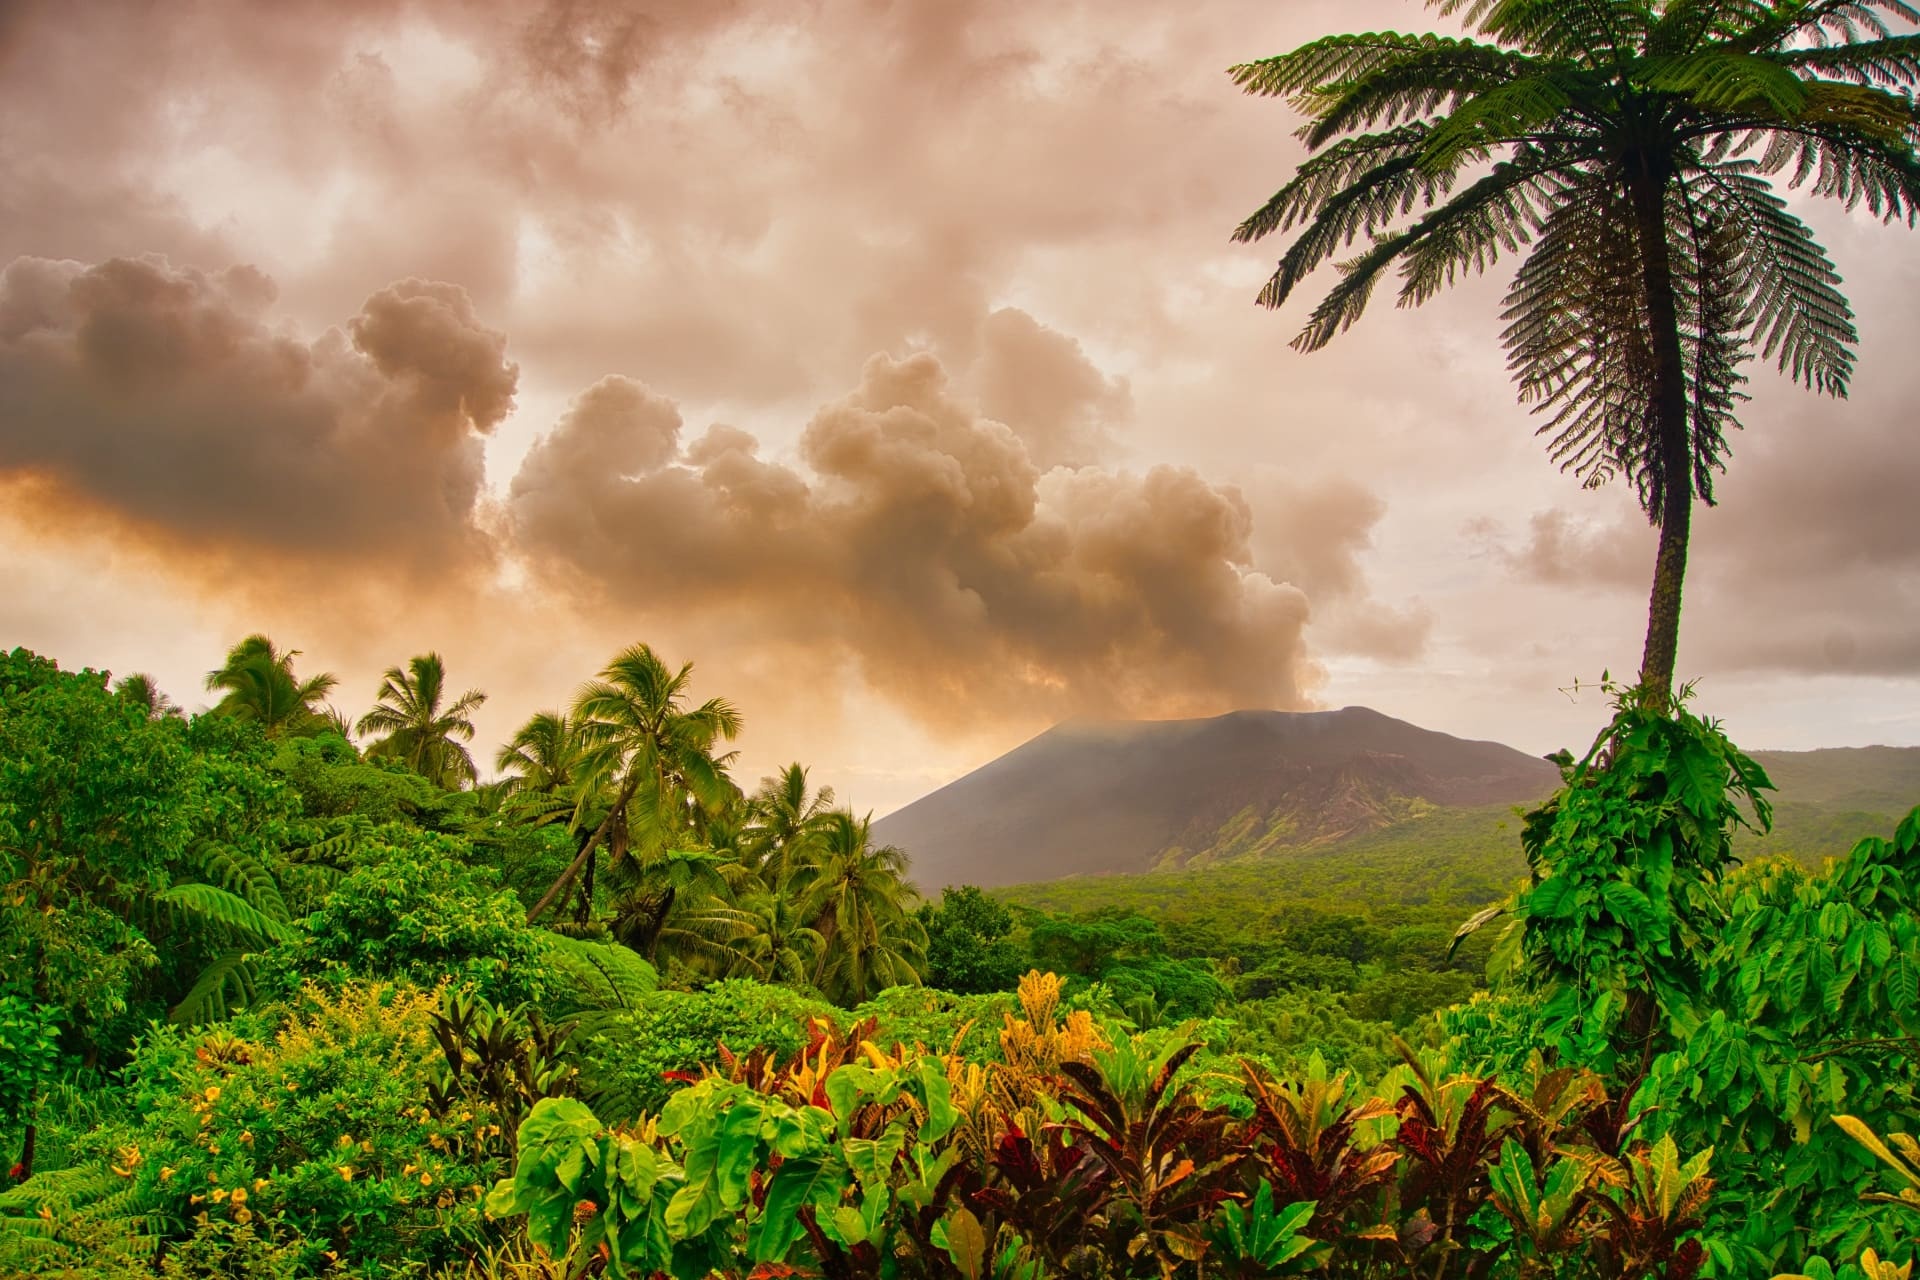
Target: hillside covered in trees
x,y
278,1002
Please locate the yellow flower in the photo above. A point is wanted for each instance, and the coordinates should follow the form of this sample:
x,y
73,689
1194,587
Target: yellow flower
x,y
238,1195
243,1215
346,1139
217,1196
407,1169
426,1179
166,1172
345,1171
259,1184
195,1198
246,1136
213,1093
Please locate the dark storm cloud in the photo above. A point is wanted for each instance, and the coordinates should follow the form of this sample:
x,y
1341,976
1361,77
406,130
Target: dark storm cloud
x,y
169,398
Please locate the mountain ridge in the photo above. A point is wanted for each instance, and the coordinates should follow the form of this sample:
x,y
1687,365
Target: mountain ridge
x,y
1104,797
1092,797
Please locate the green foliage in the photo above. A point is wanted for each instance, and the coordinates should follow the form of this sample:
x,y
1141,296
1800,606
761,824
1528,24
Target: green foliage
x,y
95,803
417,729
866,1164
627,1058
29,1054
411,908
968,950
1627,862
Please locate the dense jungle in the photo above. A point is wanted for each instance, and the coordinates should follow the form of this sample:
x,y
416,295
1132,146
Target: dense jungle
x,y
287,991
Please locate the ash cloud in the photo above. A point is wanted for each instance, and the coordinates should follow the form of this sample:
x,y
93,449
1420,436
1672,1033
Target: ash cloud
x,y
168,398
923,545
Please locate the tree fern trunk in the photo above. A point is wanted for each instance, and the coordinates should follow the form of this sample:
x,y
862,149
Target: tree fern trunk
x,y
1674,461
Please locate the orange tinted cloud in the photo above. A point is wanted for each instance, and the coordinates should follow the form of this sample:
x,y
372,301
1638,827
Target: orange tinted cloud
x,y
172,398
923,545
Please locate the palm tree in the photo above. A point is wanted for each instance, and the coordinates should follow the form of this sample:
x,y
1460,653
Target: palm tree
x,y
260,685
144,692
858,901
782,946
544,754
1630,143
786,819
651,751
420,731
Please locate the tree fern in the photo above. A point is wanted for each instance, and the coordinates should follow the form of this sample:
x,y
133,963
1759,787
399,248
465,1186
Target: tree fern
x,y
1628,146
605,975
242,875
88,1219
225,986
213,905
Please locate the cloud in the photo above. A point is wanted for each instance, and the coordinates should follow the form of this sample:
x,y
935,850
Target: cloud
x,y
168,398
1039,382
1566,550
924,547
1314,536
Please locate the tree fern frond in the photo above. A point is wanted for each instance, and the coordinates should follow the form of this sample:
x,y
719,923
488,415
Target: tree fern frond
x,y
1500,116
1403,90
1347,299
356,830
1893,63
81,1220
1723,80
1375,160
1590,32
607,975
227,984
214,905
1345,59
1792,300
241,874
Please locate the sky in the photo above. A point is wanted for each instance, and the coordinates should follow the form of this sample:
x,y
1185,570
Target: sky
x,y
888,360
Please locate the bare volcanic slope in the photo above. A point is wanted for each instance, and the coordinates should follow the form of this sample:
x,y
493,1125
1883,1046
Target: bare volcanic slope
x,y
1098,798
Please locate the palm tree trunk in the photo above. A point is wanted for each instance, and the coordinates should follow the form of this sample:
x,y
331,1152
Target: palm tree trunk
x,y
1647,190
600,833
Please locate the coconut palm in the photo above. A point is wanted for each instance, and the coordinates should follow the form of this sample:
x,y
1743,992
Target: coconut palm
x,y
420,728
652,752
786,818
260,686
544,754
859,903
677,906
144,692
1631,144
782,946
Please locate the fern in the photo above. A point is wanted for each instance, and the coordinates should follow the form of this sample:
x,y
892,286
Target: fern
x,y
605,975
87,1219
243,875
226,985
216,906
